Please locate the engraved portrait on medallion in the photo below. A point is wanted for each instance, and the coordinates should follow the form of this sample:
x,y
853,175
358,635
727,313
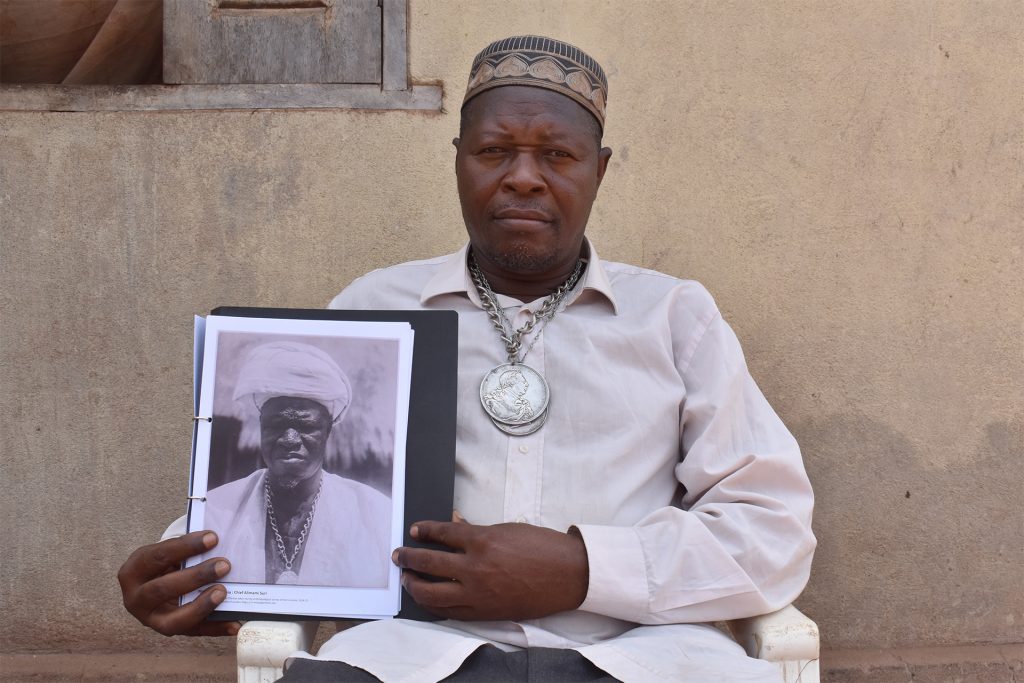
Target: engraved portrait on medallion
x,y
514,394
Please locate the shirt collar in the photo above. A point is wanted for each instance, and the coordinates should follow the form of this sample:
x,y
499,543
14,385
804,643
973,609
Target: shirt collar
x,y
453,278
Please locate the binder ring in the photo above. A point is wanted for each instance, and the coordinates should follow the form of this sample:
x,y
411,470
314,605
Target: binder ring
x,y
202,498
205,419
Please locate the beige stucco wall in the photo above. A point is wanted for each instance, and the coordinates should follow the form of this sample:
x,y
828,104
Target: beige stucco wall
x,y
844,177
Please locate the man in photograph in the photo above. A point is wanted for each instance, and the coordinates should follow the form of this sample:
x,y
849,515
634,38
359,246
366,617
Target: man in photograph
x,y
654,489
292,522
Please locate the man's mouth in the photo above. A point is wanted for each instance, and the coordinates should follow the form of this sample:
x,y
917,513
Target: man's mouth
x,y
526,218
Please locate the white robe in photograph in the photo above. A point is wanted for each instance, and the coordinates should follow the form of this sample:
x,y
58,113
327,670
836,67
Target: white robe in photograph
x,y
348,542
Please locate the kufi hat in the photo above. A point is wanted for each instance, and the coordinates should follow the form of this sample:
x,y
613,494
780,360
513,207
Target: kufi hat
x,y
294,369
542,63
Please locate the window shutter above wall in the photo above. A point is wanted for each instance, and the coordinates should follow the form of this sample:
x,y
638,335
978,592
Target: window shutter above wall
x,y
273,41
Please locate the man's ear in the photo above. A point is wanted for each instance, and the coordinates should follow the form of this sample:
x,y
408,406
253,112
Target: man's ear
x,y
455,143
602,163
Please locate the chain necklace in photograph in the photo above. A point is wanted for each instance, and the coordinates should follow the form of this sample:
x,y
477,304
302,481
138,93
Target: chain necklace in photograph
x,y
514,395
288,576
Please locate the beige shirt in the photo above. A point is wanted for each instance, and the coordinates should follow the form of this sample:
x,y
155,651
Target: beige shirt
x,y
689,491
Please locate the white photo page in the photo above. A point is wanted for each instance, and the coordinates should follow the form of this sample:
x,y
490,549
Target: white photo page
x,y
298,462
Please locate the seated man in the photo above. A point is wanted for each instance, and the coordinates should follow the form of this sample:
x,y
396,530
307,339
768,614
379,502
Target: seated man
x,y
642,487
285,523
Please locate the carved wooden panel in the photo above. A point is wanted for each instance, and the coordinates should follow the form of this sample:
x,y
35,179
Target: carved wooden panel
x,y
273,41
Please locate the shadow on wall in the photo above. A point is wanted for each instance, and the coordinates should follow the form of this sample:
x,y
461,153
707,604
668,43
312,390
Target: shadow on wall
x,y
901,541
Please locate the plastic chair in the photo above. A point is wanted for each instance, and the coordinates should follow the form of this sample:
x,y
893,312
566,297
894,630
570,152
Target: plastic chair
x,y
787,638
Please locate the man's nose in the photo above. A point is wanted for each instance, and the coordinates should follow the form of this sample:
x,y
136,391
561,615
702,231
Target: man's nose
x,y
524,175
290,436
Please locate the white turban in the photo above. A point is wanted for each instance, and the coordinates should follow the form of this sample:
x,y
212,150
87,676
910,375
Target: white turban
x,y
294,369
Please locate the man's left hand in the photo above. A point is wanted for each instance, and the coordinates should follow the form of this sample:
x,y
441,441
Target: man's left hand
x,y
504,571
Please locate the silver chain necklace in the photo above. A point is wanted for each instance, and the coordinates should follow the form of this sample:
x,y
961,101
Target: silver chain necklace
x,y
514,395
288,576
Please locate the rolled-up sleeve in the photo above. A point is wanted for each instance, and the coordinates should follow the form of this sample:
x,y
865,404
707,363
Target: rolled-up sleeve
x,y
740,541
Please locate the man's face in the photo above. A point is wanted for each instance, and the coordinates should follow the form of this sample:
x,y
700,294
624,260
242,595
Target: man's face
x,y
528,167
293,438
520,386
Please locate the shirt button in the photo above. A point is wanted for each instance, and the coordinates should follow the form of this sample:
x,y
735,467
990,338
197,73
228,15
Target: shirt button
x,y
524,449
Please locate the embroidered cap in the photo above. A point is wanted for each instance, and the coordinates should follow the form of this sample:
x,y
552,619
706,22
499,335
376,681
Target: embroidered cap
x,y
541,63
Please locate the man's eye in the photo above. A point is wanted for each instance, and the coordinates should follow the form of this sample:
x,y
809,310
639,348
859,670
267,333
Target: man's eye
x,y
492,150
558,153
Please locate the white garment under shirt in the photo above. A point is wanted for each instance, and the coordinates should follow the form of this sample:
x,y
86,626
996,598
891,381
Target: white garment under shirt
x,y
688,490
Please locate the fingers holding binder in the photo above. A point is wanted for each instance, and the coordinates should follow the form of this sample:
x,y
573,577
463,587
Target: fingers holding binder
x,y
152,582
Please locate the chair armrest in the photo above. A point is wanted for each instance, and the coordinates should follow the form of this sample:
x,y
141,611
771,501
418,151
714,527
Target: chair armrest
x,y
178,527
786,635
264,645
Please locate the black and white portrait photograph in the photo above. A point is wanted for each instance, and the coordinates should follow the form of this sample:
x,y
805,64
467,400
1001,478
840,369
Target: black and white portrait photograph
x,y
305,437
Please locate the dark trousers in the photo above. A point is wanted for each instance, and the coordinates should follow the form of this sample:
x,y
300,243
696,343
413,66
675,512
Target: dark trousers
x,y
487,664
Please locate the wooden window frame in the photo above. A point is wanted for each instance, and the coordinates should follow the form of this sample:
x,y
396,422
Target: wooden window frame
x,y
394,91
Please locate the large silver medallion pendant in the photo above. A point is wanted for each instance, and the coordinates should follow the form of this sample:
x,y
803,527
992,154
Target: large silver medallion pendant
x,y
288,578
514,394
523,430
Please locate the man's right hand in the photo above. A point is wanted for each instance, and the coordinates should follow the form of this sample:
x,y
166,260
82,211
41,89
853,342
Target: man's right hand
x,y
152,581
